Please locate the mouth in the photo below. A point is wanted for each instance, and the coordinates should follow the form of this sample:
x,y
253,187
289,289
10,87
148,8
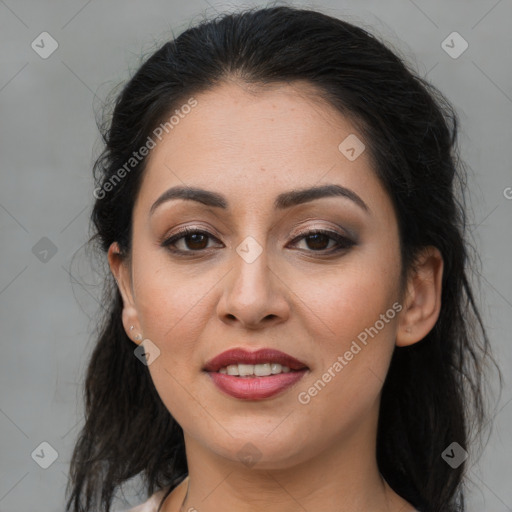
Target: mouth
x,y
254,375
255,370
260,363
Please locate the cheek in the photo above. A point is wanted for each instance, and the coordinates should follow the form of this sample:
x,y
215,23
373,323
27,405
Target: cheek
x,y
353,353
345,301
173,308
170,299
353,314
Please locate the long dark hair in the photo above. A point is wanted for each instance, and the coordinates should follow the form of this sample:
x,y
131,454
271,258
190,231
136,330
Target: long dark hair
x,y
434,391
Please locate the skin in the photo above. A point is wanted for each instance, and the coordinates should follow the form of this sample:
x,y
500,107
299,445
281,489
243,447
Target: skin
x,y
251,144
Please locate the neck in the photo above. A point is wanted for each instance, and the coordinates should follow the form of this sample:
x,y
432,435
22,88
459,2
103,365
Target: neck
x,y
339,478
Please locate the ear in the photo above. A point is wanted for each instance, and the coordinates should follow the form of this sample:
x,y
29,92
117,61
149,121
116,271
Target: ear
x,y
422,303
120,268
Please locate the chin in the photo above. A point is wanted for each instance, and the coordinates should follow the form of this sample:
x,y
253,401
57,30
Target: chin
x,y
263,450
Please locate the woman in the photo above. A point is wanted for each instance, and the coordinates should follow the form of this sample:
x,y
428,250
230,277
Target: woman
x,y
290,324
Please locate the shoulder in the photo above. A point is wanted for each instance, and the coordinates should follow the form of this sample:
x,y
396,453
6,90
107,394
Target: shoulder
x,y
151,505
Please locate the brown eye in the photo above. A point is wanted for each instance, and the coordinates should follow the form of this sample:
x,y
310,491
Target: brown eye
x,y
318,241
194,240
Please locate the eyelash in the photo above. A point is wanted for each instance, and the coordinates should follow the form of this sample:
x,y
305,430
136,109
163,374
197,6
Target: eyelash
x,y
343,242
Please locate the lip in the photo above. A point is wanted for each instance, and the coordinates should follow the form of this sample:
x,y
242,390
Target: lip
x,y
264,355
256,388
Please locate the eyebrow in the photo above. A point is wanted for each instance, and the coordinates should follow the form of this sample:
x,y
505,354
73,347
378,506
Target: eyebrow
x,y
283,200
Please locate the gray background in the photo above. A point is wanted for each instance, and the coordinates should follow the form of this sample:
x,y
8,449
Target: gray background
x,y
48,142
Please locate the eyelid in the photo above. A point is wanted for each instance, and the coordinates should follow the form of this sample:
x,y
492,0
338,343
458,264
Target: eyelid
x,y
184,231
343,241
302,231
338,230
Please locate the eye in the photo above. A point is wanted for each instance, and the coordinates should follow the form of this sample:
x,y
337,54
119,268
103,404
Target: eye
x,y
318,240
194,239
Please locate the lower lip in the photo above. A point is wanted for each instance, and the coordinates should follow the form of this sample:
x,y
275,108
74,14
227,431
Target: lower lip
x,y
255,388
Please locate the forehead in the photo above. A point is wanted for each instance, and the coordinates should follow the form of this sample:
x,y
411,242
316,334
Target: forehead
x,y
251,143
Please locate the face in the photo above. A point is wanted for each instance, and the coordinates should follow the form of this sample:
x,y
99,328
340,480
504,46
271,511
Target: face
x,y
255,275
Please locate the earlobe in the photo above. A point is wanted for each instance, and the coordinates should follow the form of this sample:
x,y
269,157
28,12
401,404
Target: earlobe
x,y
121,273
423,299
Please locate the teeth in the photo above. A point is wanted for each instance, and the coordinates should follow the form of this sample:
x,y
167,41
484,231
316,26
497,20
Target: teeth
x,y
258,370
275,368
233,369
262,370
245,369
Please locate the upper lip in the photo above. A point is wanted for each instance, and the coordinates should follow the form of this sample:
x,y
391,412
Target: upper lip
x,y
243,356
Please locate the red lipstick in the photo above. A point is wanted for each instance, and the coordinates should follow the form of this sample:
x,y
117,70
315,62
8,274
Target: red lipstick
x,y
253,387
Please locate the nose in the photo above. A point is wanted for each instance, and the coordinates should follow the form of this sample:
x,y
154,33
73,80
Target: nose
x,y
254,295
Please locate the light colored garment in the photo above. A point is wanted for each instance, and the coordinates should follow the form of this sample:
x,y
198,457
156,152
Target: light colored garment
x,y
150,505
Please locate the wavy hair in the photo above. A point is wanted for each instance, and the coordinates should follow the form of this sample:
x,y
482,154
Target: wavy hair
x,y
434,391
